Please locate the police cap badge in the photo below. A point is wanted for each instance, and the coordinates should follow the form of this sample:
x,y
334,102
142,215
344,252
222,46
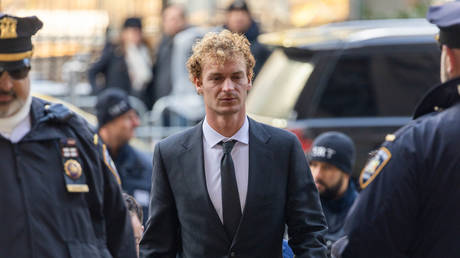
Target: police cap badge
x,y
15,39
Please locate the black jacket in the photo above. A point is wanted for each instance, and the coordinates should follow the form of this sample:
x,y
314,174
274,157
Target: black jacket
x,y
336,212
135,170
113,67
39,216
409,207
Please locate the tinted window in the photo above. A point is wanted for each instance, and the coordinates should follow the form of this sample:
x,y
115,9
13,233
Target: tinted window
x,y
378,84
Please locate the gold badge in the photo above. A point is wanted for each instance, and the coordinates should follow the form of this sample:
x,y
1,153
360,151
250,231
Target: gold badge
x,y
8,28
72,169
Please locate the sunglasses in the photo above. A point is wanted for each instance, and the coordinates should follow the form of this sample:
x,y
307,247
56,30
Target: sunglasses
x,y
16,73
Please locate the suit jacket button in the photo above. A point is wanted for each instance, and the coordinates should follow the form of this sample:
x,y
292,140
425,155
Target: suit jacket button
x,y
232,254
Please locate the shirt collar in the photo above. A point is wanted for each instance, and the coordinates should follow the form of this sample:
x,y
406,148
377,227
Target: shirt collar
x,y
212,137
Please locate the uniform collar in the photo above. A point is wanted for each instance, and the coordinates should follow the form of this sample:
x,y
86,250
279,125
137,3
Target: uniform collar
x,y
439,98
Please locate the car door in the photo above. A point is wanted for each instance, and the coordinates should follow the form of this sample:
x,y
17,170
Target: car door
x,y
370,92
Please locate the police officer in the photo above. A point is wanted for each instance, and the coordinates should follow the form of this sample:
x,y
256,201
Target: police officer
x,y
410,203
117,122
59,192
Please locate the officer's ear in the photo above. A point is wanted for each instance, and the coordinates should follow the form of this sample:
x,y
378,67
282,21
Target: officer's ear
x,y
452,61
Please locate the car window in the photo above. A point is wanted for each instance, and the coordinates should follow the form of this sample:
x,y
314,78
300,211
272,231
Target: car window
x,y
382,83
280,81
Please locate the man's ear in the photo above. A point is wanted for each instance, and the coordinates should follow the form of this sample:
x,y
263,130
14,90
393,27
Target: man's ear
x,y
454,62
249,83
198,86
450,61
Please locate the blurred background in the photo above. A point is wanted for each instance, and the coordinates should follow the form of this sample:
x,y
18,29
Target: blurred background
x,y
76,31
80,27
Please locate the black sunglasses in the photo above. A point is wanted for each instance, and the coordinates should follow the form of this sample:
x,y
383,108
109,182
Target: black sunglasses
x,y
16,73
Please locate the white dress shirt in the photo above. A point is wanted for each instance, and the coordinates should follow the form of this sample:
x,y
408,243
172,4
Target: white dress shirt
x,y
212,156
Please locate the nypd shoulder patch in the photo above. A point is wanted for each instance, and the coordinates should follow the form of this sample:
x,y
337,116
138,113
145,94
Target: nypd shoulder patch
x,y
109,163
374,166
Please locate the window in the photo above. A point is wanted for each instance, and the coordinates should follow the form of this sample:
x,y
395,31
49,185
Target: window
x,y
278,86
381,83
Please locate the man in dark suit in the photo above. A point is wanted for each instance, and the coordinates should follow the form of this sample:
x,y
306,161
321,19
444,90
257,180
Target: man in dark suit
x,y
228,186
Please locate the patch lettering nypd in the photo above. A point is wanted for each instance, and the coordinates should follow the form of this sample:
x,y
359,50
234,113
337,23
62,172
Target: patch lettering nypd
x,y
374,166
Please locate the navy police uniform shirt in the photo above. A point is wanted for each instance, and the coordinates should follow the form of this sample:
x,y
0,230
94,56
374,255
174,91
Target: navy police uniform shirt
x,y
410,203
60,192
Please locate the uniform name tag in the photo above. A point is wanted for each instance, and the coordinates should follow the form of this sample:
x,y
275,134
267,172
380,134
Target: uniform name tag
x,y
75,179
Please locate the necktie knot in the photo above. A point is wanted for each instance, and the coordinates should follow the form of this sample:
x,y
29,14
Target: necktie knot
x,y
228,146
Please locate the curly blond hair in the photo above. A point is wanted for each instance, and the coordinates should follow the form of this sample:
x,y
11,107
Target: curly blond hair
x,y
220,47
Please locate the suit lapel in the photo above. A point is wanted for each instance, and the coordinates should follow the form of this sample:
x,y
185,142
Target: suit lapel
x,y
260,160
192,160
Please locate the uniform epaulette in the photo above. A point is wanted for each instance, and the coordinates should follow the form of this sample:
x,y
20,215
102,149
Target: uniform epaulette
x,y
57,112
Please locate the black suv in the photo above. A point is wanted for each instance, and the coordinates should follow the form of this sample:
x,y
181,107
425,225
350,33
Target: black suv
x,y
363,78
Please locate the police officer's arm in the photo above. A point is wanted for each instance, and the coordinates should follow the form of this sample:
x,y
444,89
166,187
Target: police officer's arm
x,y
99,66
305,218
161,236
119,231
383,218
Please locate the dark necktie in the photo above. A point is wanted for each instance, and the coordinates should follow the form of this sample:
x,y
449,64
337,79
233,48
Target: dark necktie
x,y
230,198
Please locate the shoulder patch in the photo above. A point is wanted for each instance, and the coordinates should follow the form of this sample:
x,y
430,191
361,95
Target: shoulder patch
x,y
96,139
374,166
110,164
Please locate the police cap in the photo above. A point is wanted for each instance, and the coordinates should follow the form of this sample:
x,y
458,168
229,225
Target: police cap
x,y
447,18
15,40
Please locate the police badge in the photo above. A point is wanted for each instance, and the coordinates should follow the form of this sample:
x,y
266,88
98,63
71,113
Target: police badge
x,y
74,177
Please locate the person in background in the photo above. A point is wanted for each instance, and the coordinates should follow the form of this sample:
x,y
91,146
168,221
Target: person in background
x,y
135,210
203,204
331,159
60,195
125,64
409,203
174,20
175,102
117,122
239,20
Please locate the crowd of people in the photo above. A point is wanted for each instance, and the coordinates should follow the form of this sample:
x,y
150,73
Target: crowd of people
x,y
128,63
229,186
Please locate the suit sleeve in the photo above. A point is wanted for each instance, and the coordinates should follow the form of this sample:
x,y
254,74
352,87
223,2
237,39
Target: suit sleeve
x,y
161,236
383,218
305,218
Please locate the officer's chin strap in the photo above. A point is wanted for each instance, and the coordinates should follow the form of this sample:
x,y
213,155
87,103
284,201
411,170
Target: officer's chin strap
x,y
57,113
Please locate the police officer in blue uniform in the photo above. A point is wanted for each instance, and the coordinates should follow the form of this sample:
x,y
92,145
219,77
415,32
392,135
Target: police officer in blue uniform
x,y
59,192
117,121
410,203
